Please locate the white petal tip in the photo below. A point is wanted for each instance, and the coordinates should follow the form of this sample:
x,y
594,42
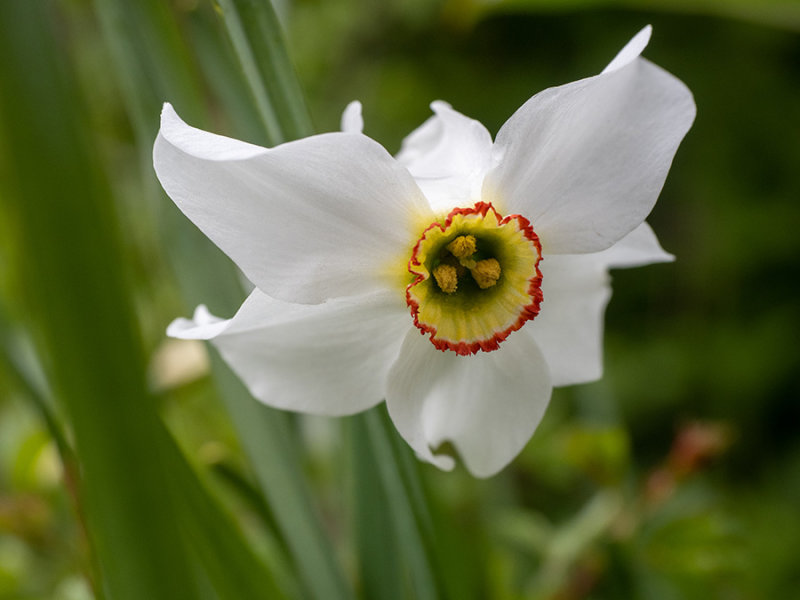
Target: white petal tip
x,y
198,143
441,461
352,119
179,327
637,249
202,316
631,51
202,326
169,118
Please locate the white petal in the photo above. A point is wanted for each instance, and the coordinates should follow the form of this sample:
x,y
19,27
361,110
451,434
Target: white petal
x,y
569,326
576,290
328,359
448,155
488,405
631,51
202,326
352,121
640,247
585,161
318,218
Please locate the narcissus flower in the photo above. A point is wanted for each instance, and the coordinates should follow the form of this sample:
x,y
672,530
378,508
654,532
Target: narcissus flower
x,y
459,281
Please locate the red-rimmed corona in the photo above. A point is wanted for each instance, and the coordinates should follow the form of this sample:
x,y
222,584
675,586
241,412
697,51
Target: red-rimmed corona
x,y
476,279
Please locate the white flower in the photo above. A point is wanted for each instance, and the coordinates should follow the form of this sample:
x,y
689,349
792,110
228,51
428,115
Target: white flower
x,y
459,281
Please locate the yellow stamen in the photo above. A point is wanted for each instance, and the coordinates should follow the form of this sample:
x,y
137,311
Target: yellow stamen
x,y
463,246
485,273
447,278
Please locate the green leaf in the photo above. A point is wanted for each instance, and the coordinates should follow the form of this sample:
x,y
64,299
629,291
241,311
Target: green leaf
x,y
268,441
214,539
381,573
153,528
223,74
411,547
80,312
257,38
17,362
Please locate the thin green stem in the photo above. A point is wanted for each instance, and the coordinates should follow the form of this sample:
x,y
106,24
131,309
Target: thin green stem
x,y
406,525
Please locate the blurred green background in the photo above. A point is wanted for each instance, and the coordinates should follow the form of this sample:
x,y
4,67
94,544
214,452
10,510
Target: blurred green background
x,y
676,476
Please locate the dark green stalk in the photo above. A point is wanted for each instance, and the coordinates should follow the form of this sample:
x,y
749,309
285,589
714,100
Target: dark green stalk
x,y
257,37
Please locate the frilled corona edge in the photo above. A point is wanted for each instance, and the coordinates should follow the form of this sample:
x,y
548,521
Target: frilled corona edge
x,y
481,316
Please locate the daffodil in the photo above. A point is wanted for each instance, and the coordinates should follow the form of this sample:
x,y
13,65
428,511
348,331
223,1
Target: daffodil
x,y
460,280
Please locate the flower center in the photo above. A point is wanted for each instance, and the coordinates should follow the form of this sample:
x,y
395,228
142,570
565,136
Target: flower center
x,y
477,279
458,258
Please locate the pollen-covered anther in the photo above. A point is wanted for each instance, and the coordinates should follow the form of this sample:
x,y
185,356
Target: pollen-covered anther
x,y
463,246
486,272
446,277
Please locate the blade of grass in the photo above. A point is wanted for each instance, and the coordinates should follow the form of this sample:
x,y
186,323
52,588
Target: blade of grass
x,y
29,379
148,515
406,525
448,536
144,38
80,312
223,74
17,361
408,467
264,103
268,439
152,65
215,540
257,37
381,573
